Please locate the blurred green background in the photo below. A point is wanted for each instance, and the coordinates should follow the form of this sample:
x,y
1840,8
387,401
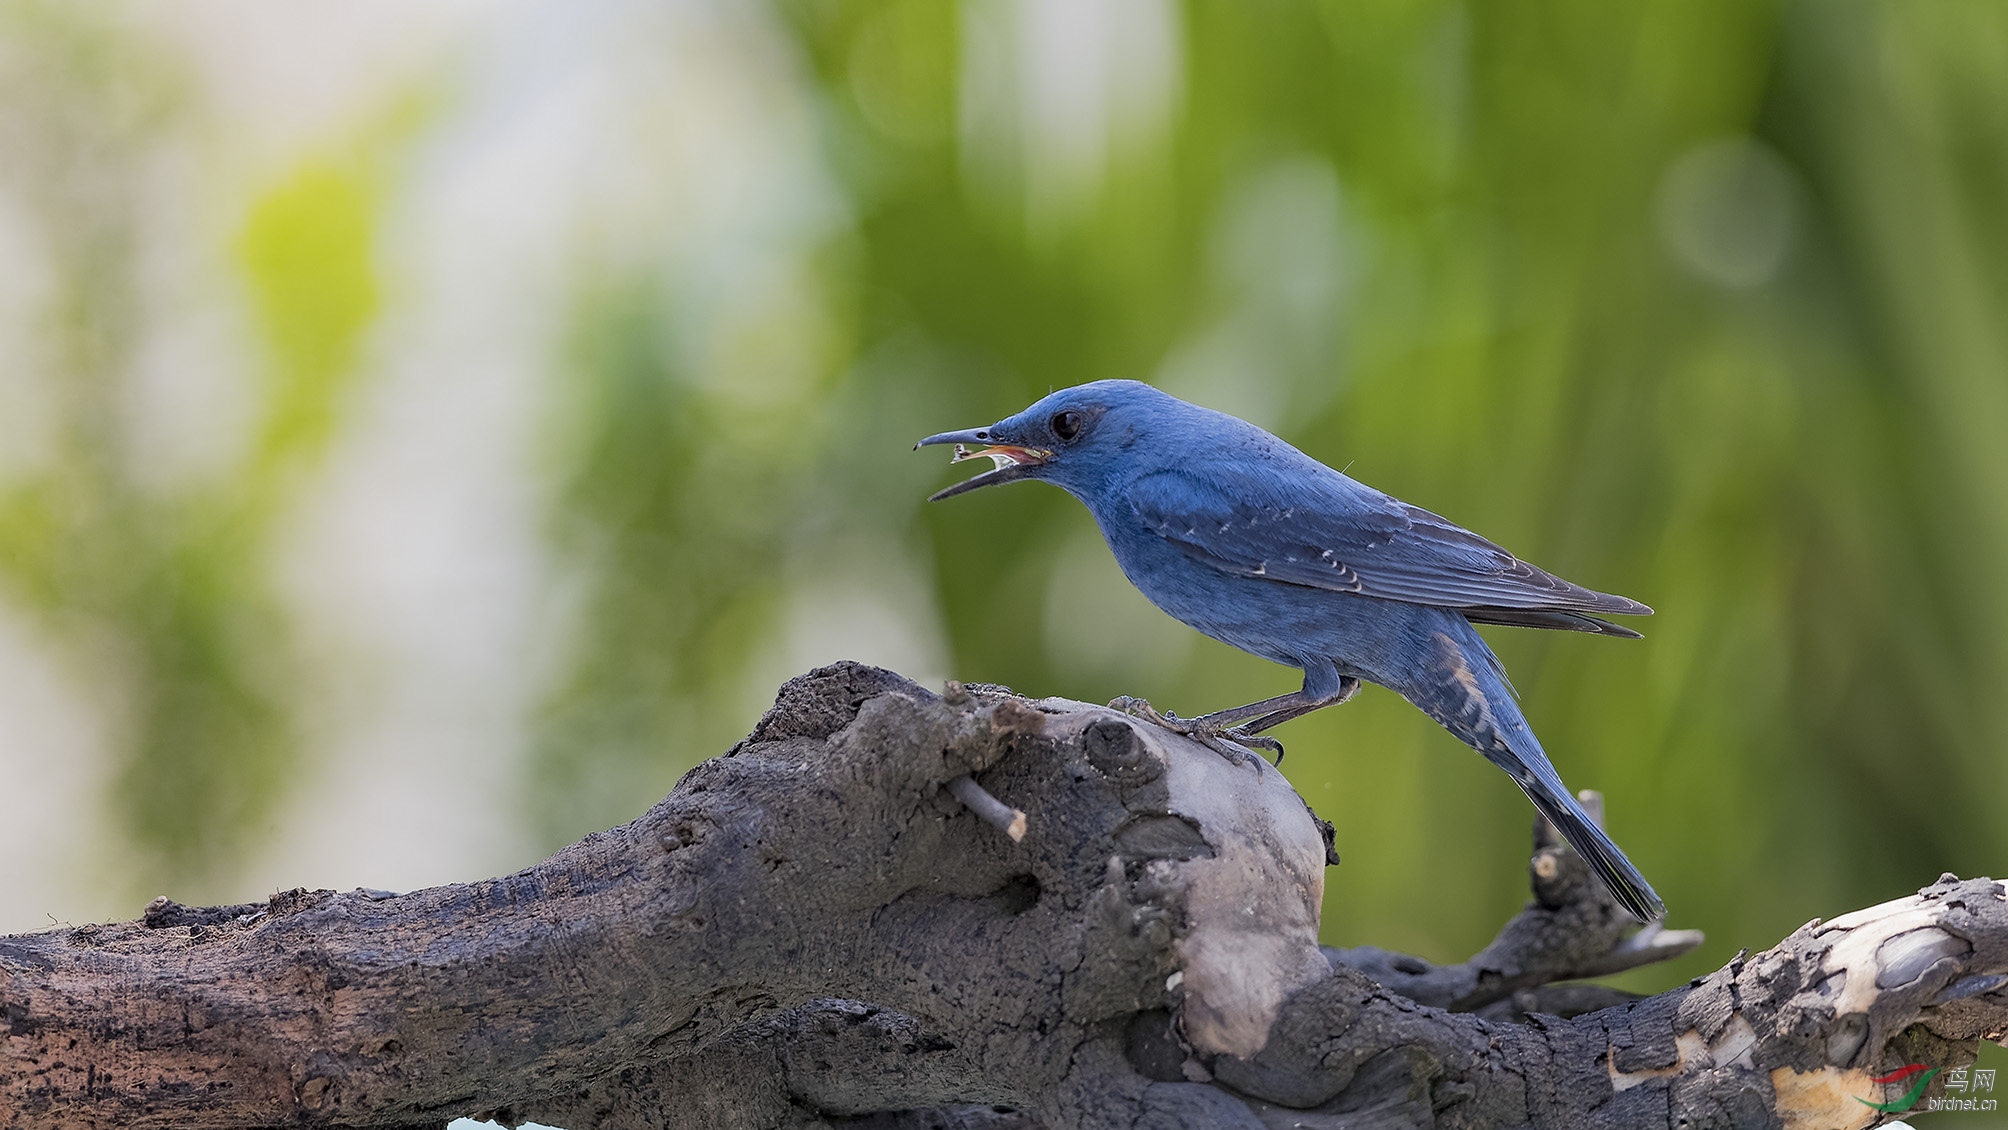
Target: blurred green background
x,y
425,431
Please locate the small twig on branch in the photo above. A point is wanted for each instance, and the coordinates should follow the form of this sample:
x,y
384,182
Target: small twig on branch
x,y
994,812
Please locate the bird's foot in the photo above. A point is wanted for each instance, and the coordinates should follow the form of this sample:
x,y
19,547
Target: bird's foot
x,y
1255,741
1229,742
1141,708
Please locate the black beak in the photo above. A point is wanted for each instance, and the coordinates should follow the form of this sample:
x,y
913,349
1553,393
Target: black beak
x,y
973,435
1013,462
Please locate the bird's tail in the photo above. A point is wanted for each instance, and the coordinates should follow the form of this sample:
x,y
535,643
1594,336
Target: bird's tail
x,y
1466,692
1604,857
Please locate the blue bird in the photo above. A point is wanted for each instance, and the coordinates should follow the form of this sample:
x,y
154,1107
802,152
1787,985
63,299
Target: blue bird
x,y
1254,543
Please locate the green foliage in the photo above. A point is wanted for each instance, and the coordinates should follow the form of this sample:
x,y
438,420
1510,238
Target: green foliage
x,y
667,507
159,589
307,251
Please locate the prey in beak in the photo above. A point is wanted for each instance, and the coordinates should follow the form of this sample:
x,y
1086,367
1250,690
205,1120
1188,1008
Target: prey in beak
x,y
1011,460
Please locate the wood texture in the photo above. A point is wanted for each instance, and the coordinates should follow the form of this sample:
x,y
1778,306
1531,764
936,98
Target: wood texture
x,y
812,931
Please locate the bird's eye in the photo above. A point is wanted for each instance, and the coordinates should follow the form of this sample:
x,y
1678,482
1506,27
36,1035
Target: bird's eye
x,y
1067,425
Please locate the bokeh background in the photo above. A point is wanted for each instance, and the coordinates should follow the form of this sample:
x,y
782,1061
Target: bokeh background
x,y
428,429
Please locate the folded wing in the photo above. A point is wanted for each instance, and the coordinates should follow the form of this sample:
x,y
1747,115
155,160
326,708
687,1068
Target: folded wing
x,y
1323,530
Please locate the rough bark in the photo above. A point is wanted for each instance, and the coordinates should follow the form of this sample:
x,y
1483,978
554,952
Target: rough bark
x,y
812,931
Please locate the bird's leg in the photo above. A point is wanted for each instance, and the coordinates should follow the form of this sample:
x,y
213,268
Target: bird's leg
x,y
1200,729
1235,715
1242,726
1348,687
1323,686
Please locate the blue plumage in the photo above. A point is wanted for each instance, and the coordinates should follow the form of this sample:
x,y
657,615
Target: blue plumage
x,y
1258,545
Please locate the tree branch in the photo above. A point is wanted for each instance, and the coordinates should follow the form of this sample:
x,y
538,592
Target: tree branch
x,y
1571,931
811,930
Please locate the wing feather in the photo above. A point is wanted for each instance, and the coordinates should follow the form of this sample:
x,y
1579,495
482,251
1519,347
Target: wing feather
x,y
1327,531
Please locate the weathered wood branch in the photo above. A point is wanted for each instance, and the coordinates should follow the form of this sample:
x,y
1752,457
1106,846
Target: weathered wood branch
x,y
1572,930
811,930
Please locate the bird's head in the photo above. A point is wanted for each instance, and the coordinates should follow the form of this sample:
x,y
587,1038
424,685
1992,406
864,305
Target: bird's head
x,y
1071,439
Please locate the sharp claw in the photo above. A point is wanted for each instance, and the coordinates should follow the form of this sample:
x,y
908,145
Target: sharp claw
x,y
1234,753
1255,741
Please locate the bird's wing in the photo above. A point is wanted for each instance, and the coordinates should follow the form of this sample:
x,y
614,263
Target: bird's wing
x,y
1326,531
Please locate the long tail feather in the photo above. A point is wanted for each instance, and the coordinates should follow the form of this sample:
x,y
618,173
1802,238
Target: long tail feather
x,y
1604,857
1464,689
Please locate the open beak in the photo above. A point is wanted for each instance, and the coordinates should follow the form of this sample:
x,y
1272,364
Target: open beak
x,y
1011,460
